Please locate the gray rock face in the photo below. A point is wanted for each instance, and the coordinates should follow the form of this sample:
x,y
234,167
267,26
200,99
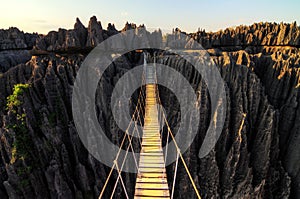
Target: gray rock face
x,y
64,39
61,40
14,46
12,58
258,34
13,38
282,66
111,30
81,38
244,157
95,32
257,155
80,31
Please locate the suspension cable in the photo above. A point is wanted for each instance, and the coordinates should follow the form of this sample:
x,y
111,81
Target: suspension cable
x,y
181,157
122,182
120,148
162,119
176,146
123,162
175,174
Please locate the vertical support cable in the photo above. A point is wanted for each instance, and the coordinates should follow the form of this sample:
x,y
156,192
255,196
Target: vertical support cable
x,y
120,148
175,174
122,182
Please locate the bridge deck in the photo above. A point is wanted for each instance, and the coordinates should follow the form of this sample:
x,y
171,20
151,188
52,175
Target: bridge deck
x,y
151,179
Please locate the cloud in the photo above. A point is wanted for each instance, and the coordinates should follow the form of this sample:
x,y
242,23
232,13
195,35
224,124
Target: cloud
x,y
39,21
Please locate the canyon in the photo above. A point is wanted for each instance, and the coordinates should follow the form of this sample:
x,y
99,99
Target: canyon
x,y
256,156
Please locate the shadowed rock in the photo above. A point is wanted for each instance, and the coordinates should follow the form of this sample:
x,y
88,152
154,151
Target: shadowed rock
x,y
257,155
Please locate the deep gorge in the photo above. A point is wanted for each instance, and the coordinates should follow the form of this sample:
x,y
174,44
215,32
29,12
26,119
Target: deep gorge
x,y
259,159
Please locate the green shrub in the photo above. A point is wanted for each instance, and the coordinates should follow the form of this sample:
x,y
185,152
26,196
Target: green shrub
x,y
22,142
13,100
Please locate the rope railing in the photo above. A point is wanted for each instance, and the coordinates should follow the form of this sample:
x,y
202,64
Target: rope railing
x,y
175,174
122,165
122,182
137,118
126,135
176,146
130,145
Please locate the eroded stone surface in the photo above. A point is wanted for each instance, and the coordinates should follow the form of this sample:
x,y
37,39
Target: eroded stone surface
x,y
257,155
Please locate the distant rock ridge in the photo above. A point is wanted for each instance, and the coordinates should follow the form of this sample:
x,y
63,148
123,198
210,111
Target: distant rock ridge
x,y
14,47
80,37
258,34
13,38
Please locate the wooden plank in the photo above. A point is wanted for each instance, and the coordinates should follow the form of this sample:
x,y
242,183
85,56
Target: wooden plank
x,y
152,179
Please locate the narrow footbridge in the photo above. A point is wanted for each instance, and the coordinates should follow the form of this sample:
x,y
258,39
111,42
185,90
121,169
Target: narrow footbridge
x,y
151,179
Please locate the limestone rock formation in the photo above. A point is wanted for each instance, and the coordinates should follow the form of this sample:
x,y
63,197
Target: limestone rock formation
x,y
111,29
258,34
14,46
81,38
63,40
80,31
257,155
13,38
95,32
10,58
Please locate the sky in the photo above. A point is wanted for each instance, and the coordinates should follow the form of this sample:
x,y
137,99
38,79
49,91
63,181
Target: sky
x,y
43,16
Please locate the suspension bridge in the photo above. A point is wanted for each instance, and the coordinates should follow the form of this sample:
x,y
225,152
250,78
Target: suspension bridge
x,y
151,179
